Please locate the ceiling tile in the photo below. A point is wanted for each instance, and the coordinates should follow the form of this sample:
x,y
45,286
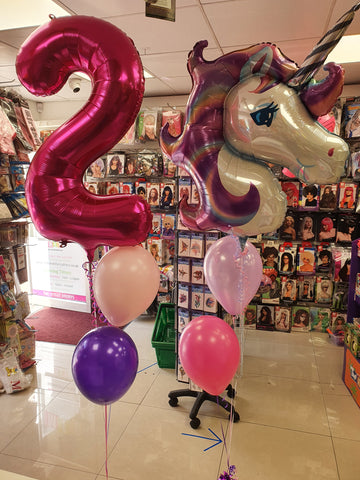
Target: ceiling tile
x,y
173,64
152,35
107,8
15,37
250,21
7,55
295,50
228,25
155,87
341,7
181,85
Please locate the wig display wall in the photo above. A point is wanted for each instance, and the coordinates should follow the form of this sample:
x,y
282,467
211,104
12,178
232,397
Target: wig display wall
x,y
307,261
136,166
194,297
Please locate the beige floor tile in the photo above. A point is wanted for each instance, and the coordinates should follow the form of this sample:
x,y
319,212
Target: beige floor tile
x,y
347,454
41,471
53,368
281,402
344,417
138,389
290,398
19,409
334,389
293,338
153,446
279,359
166,382
69,432
140,330
261,452
329,363
321,340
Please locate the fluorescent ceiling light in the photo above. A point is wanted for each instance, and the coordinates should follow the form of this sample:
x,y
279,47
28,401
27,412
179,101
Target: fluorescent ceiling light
x,y
346,51
29,13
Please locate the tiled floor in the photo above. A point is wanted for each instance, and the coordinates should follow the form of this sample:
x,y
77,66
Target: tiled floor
x,y
298,420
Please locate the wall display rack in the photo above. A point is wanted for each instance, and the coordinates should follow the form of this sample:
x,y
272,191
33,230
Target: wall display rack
x,y
17,339
307,260
136,166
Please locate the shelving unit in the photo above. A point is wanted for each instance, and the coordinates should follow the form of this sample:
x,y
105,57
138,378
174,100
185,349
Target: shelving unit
x,y
15,334
149,172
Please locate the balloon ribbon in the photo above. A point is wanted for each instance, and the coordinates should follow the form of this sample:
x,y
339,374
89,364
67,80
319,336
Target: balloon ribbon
x,y
98,316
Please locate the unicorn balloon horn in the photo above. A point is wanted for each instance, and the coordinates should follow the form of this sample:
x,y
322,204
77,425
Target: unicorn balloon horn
x,y
322,49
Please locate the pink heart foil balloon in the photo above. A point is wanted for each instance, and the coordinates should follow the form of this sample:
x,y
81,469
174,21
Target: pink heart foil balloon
x,y
233,274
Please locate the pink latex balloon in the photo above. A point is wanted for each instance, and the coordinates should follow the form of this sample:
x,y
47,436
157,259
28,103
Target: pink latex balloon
x,y
60,206
126,281
209,351
232,274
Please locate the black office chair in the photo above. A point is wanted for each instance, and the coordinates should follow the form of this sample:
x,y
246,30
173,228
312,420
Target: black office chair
x,y
200,399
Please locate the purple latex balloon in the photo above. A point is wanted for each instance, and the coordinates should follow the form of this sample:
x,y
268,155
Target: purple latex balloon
x,y
233,274
104,364
60,206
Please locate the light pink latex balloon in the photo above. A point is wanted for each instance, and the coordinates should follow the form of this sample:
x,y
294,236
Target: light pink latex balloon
x,y
126,281
209,351
232,274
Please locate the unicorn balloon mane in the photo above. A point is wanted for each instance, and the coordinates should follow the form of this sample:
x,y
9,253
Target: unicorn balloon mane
x,y
241,115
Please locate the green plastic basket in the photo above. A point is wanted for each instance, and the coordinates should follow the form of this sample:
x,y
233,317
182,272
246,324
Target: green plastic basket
x,y
163,337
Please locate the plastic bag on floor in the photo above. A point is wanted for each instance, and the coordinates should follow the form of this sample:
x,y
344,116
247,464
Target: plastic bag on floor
x,y
11,376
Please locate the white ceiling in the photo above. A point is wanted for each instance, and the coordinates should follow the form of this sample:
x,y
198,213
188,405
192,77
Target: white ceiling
x,y
294,26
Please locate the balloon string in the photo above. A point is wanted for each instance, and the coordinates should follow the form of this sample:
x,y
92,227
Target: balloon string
x,y
98,316
239,258
106,442
230,473
242,342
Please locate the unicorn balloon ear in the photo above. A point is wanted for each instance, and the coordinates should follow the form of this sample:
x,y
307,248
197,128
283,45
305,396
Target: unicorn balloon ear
x,y
320,98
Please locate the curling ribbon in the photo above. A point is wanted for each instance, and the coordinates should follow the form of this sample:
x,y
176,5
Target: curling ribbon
x,y
98,316
106,440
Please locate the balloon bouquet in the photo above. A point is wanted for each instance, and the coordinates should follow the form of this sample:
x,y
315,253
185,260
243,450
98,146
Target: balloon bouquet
x,y
105,360
246,109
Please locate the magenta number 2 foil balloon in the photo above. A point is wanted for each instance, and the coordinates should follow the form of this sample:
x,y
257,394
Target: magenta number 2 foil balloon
x,y
60,206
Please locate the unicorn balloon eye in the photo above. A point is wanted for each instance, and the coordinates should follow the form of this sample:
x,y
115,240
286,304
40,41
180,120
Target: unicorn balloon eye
x,y
265,115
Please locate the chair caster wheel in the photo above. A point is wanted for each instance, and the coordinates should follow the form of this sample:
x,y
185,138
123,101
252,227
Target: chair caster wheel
x,y
235,417
231,392
194,423
173,401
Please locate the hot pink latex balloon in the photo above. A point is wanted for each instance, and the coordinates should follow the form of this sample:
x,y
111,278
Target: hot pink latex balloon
x,y
209,351
60,206
126,281
233,274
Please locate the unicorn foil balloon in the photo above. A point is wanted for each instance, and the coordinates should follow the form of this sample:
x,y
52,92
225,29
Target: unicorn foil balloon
x,y
242,114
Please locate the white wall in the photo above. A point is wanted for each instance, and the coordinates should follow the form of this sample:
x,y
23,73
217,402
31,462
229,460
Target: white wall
x,y
56,113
